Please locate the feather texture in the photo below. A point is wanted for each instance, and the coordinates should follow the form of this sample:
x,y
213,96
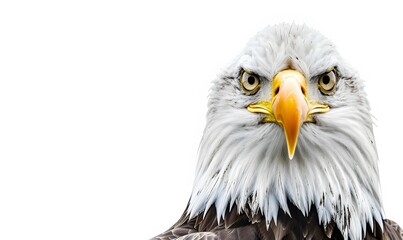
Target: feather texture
x,y
331,188
293,226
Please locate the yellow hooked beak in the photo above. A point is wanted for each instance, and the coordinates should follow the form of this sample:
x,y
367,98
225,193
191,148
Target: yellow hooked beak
x,y
289,106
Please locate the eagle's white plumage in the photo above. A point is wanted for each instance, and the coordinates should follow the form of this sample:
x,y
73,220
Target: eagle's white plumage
x,y
335,164
244,163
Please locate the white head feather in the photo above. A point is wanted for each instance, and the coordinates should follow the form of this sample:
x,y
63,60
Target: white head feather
x,y
245,162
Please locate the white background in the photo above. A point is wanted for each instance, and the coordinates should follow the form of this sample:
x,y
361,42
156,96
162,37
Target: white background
x,y
102,104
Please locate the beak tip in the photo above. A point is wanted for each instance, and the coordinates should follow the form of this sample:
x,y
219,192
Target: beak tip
x,y
291,155
291,140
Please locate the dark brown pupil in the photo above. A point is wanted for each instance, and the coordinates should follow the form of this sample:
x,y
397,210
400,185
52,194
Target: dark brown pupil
x,y
326,79
251,80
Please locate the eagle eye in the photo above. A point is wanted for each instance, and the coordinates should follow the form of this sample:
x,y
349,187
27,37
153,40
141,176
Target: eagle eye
x,y
250,82
327,82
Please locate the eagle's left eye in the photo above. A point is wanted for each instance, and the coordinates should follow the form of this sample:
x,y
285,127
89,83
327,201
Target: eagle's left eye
x,y
327,82
250,82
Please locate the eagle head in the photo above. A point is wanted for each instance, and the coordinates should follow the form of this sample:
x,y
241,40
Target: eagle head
x,y
288,122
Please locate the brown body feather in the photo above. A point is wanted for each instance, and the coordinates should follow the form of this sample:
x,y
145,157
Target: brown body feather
x,y
243,226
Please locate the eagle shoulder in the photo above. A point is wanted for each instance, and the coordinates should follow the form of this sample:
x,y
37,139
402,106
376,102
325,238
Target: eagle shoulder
x,y
237,225
392,230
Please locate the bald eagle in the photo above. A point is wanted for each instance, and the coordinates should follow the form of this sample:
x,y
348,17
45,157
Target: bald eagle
x,y
288,150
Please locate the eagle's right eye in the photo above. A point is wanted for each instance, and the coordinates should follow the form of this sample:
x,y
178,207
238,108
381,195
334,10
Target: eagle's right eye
x,y
250,82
